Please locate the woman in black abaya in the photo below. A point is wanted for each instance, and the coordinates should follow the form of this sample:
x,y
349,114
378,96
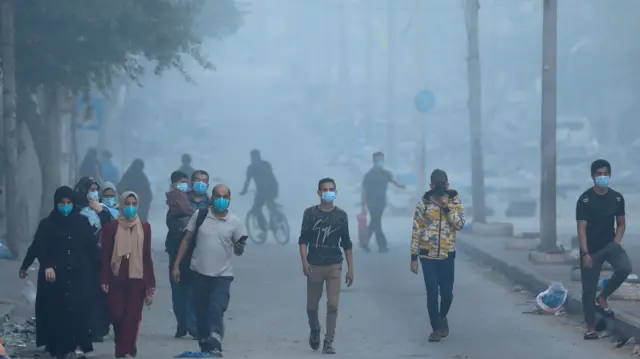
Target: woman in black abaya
x,y
68,256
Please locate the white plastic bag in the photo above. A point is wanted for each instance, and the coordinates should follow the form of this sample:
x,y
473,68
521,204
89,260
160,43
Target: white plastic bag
x,y
553,299
29,292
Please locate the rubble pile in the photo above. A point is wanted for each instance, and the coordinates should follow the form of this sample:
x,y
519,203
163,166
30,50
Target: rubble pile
x,y
19,338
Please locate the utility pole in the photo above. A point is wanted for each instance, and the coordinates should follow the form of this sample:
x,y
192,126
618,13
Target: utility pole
x,y
471,13
367,124
548,230
420,120
391,26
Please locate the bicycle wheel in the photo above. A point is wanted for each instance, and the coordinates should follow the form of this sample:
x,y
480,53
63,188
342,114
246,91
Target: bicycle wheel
x,y
280,228
251,222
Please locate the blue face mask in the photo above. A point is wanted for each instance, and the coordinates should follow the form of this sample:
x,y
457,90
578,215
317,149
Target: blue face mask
x,y
602,182
65,209
200,188
379,164
328,197
109,201
221,204
129,212
182,187
94,195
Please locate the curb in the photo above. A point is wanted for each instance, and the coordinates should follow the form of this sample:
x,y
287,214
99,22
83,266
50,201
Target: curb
x,y
625,323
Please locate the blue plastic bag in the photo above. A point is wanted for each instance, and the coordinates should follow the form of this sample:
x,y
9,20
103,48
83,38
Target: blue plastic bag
x,y
5,253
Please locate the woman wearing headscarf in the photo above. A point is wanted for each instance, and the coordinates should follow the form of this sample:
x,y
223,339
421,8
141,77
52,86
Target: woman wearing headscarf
x,y
67,255
127,273
136,181
108,198
87,195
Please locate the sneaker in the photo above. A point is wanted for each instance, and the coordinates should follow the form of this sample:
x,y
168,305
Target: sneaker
x,y
443,327
591,335
314,339
327,348
603,305
180,334
435,337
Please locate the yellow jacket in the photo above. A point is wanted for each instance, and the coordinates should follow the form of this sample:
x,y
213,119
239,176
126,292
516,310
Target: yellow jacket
x,y
434,228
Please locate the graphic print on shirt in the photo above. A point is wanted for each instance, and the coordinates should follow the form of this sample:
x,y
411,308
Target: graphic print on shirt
x,y
324,231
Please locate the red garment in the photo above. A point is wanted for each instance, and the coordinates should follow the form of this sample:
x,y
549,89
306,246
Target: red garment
x,y
126,295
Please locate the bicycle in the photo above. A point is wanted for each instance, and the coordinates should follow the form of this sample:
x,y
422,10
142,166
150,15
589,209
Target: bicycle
x,y
278,224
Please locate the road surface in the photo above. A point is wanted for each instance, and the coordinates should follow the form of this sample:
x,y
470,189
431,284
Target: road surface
x,y
382,316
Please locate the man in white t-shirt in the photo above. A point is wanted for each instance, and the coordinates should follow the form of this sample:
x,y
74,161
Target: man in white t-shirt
x,y
217,237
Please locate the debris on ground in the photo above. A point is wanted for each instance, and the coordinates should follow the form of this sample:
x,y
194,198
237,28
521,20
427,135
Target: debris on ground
x,y
551,301
17,337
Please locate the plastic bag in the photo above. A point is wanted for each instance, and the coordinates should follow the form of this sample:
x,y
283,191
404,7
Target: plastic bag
x,y
5,253
29,292
553,299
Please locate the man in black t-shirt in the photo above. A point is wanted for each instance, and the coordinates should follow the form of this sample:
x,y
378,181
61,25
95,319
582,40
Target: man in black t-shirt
x,y
601,224
374,198
325,230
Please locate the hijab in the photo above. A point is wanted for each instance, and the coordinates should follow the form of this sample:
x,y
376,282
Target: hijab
x,y
129,242
80,200
61,193
115,212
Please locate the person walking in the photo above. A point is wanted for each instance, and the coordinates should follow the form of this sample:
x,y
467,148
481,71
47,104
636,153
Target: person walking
x,y
374,198
135,180
325,229
127,273
215,234
68,256
601,217
437,218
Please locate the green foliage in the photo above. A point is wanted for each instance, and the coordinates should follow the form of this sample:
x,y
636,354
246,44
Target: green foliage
x,y
85,43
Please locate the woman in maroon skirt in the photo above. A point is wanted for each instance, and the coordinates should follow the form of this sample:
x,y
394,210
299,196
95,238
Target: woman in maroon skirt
x,y
127,273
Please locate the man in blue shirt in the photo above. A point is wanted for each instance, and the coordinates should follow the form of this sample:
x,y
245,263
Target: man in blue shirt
x,y
110,171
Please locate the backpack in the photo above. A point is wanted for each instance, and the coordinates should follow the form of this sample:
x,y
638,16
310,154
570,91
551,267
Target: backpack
x,y
185,264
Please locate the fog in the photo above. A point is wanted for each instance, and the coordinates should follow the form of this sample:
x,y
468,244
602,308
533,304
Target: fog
x,y
318,86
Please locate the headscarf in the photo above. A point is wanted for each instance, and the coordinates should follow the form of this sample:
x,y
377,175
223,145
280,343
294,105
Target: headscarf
x,y
129,242
80,201
115,212
61,192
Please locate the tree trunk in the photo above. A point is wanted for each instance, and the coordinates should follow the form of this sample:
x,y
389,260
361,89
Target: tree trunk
x,y
15,224
475,111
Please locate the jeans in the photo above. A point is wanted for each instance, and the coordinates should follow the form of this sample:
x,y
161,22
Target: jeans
x,y
331,276
182,306
211,297
438,279
617,257
375,226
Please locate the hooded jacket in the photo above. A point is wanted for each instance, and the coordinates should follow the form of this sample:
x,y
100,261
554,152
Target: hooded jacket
x,y
435,227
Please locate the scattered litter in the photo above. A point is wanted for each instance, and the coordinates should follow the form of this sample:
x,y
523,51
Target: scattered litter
x,y
17,337
550,301
5,253
518,288
29,292
189,354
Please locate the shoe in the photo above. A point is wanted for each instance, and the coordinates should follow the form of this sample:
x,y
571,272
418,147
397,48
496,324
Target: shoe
x,y
591,335
435,337
180,334
603,306
314,339
327,347
443,326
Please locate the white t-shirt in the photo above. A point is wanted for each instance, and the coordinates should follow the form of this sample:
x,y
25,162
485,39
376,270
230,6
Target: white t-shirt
x,y
214,244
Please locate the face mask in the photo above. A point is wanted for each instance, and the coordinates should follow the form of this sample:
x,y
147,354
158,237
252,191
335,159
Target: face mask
x,y
182,187
199,188
602,182
379,164
221,204
129,212
65,209
110,201
94,195
328,197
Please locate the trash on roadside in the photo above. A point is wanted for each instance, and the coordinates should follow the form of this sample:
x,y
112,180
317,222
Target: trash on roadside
x,y
5,253
551,301
16,338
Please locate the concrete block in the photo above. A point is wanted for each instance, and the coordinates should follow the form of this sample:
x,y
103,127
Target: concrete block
x,y
538,257
522,244
530,235
493,229
521,208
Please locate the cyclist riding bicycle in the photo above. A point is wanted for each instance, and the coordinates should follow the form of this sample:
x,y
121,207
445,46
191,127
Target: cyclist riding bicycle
x,y
266,189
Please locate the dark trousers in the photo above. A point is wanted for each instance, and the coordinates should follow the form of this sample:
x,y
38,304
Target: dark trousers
x,y
210,299
126,300
99,312
375,225
617,257
438,279
182,303
259,202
